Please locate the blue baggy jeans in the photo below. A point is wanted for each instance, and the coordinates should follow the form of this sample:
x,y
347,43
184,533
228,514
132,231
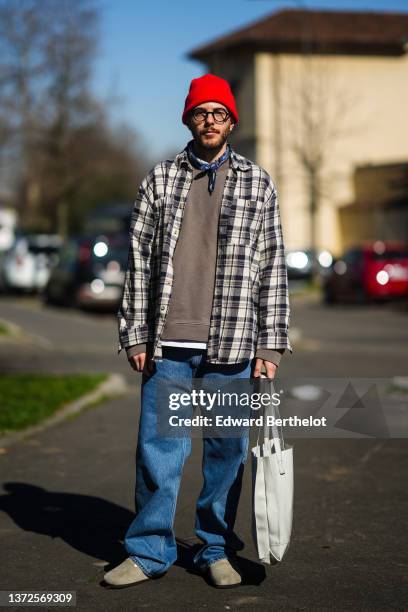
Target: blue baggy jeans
x,y
150,539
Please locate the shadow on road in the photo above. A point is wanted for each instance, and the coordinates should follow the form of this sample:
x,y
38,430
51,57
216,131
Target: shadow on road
x,y
91,525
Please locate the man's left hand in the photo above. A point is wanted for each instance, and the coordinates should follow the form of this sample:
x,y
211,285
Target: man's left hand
x,y
268,365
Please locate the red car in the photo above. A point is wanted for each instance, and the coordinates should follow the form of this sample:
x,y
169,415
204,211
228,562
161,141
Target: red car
x,y
374,270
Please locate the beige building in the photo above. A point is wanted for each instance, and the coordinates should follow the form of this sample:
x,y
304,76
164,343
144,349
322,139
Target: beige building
x,y
320,94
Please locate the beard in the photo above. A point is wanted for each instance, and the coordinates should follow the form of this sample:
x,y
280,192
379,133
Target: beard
x,y
213,142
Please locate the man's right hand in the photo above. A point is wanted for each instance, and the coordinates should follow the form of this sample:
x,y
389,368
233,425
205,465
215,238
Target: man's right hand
x,y
141,363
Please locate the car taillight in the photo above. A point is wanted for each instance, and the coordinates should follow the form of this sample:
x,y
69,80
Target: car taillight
x,y
84,253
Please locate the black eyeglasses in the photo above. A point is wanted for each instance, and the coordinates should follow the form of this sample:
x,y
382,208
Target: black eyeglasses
x,y
220,115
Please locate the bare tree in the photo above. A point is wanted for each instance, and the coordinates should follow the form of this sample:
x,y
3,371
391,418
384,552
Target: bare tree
x,y
65,155
106,166
21,34
68,53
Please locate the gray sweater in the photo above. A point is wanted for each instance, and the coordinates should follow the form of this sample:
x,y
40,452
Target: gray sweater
x,y
194,262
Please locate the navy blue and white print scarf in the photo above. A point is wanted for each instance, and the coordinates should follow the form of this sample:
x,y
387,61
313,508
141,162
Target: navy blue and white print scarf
x,y
206,167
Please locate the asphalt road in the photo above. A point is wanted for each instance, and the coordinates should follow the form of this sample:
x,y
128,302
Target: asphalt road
x,y
67,493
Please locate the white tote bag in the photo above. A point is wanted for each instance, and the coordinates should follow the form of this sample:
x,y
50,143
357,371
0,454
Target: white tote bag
x,y
272,490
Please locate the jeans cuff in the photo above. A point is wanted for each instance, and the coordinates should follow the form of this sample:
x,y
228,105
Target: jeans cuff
x,y
141,565
205,566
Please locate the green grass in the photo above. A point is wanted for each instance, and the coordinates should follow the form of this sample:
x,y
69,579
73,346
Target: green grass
x,y
28,399
9,329
4,330
394,388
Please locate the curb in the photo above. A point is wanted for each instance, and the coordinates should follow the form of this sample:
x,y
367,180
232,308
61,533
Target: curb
x,y
400,383
115,385
397,389
17,336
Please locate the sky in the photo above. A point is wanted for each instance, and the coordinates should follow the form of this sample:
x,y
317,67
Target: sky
x,y
142,68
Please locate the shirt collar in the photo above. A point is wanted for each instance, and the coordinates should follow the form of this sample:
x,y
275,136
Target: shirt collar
x,y
237,162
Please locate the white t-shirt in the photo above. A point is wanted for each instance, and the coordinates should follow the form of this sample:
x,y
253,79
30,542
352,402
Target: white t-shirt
x,y
185,343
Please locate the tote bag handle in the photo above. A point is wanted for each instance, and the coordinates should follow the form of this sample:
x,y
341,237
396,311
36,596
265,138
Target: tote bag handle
x,y
272,432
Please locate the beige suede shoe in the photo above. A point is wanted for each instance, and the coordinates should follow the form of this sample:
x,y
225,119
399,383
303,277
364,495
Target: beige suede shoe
x,y
222,575
124,575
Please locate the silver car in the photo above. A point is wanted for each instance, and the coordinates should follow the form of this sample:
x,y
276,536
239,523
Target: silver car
x,y
26,266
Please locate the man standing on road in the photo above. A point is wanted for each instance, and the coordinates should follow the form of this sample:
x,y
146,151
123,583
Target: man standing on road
x,y
205,295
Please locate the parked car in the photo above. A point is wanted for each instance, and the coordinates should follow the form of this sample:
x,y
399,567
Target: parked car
x,y
303,264
26,266
371,271
90,272
8,222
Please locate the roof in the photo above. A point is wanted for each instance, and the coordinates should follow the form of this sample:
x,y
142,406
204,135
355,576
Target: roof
x,y
331,32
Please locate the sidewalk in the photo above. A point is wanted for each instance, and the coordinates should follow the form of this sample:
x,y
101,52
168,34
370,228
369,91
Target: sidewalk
x,y
67,500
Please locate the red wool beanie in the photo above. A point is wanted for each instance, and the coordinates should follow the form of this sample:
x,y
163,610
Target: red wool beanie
x,y
210,88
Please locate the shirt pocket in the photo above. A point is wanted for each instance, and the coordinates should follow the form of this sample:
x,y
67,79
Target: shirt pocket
x,y
243,222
